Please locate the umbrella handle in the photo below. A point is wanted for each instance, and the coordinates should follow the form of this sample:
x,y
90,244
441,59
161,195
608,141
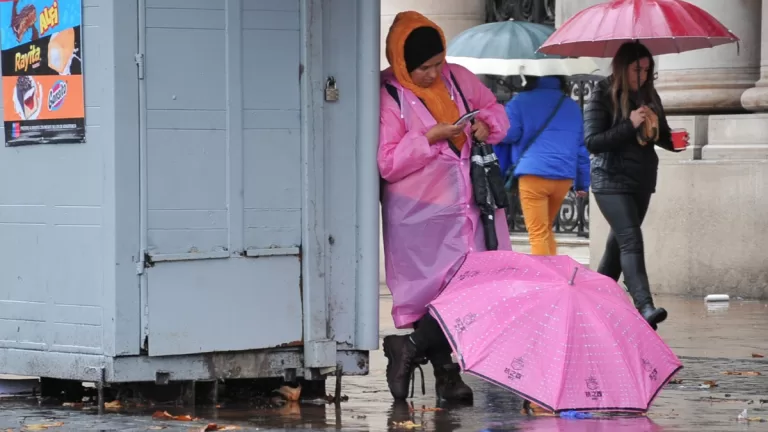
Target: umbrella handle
x,y
573,276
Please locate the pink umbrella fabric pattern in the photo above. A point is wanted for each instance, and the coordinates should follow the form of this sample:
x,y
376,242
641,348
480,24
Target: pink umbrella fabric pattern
x,y
553,332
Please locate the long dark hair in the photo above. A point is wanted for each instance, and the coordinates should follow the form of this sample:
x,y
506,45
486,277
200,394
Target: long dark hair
x,y
629,53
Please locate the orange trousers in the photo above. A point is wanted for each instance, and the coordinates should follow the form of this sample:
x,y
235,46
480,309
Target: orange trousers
x,y
541,199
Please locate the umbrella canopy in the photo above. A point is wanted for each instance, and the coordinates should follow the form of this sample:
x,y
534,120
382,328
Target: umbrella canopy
x,y
664,26
553,332
509,48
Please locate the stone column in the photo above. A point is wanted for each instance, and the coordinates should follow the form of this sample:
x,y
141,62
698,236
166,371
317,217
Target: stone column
x,y
454,16
713,80
565,9
756,98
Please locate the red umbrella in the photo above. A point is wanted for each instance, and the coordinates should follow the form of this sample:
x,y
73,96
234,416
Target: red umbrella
x,y
664,26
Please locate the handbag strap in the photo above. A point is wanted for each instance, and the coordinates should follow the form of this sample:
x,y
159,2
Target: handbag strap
x,y
543,127
461,94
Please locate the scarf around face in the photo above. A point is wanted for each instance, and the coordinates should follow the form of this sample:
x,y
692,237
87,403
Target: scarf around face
x,y
437,97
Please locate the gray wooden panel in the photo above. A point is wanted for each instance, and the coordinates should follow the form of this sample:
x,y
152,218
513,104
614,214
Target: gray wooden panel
x,y
184,69
271,69
224,305
339,46
273,169
51,215
272,124
271,228
196,203
185,4
186,127
271,5
187,176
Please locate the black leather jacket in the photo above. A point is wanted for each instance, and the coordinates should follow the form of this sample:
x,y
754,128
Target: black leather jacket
x,y
619,164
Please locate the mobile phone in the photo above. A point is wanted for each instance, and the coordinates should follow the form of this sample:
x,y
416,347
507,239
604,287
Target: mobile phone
x,y
466,118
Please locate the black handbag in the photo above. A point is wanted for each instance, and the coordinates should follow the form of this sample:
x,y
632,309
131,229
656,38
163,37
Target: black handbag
x,y
511,184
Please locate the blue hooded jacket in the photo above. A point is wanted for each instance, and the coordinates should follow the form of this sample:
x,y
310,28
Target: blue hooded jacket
x,y
559,152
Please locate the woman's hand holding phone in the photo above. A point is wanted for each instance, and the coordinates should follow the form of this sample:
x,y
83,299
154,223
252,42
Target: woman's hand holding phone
x,y
443,131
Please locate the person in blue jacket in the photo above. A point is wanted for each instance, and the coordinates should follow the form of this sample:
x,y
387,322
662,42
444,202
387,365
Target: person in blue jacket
x,y
544,149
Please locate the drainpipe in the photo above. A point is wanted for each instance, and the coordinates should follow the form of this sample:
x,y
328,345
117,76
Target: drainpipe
x,y
368,59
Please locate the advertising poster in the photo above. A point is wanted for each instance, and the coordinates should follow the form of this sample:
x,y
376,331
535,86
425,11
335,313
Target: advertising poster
x,y
43,99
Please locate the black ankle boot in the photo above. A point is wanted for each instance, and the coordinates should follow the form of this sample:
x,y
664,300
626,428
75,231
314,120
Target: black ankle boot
x,y
449,386
401,355
653,315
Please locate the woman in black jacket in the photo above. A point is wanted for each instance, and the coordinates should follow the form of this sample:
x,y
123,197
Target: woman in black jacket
x,y
623,121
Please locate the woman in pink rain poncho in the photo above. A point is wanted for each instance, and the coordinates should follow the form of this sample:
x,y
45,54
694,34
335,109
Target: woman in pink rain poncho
x,y
429,216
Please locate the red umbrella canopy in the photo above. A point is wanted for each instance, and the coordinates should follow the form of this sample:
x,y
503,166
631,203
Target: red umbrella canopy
x,y
664,26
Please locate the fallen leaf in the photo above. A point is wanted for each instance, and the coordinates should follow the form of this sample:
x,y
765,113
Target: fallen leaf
x,y
742,373
113,405
214,427
744,416
539,410
676,381
290,393
165,415
425,409
710,383
406,425
756,355
72,405
40,427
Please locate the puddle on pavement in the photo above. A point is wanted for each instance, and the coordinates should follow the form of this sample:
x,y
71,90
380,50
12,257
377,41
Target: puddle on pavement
x,y
709,341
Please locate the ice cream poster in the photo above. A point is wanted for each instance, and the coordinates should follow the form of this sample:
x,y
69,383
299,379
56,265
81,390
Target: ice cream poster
x,y
42,71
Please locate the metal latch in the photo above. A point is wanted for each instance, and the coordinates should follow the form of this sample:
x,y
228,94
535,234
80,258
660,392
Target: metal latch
x,y
331,92
139,58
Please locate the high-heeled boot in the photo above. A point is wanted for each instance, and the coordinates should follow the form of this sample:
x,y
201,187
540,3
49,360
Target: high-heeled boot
x,y
636,281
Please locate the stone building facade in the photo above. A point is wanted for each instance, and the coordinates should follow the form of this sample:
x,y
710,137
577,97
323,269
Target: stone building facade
x,y
706,231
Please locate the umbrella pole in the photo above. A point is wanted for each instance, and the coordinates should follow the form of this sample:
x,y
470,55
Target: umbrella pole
x,y
639,93
573,276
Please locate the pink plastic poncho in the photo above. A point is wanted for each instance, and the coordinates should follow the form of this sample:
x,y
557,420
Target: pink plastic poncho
x,y
430,221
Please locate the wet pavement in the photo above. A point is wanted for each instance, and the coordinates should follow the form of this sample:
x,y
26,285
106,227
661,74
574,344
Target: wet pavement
x,y
709,340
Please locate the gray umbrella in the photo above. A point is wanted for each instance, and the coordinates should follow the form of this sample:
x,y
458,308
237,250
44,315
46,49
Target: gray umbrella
x,y
510,48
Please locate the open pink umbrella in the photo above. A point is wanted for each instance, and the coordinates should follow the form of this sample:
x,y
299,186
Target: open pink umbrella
x,y
664,26
553,332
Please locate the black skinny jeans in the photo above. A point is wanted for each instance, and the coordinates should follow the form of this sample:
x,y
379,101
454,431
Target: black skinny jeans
x,y
624,250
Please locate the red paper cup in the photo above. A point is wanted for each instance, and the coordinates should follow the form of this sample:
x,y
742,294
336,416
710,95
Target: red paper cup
x,y
678,139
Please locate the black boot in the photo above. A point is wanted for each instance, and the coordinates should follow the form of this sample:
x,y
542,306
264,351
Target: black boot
x,y
636,281
449,386
653,315
402,355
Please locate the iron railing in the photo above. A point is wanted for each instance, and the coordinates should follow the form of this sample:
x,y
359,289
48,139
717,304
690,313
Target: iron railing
x,y
538,11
